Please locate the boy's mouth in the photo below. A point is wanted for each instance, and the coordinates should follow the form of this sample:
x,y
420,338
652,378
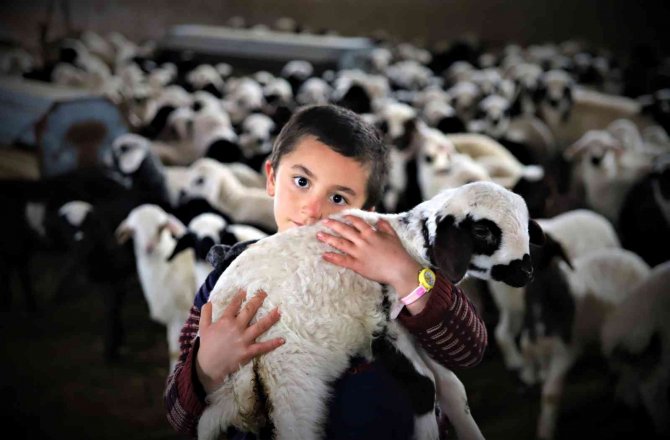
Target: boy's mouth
x,y
296,223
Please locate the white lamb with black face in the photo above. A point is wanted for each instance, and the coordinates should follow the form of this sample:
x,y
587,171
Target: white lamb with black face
x,y
330,313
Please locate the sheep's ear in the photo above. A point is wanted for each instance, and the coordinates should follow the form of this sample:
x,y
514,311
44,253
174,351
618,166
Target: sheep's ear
x,y
185,241
536,233
452,249
176,227
123,232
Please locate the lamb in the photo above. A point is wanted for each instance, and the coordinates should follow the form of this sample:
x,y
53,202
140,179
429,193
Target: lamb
x,y
218,184
635,339
578,232
207,230
480,228
565,310
169,287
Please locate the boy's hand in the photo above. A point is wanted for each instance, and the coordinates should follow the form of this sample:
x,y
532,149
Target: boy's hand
x,y
229,343
374,252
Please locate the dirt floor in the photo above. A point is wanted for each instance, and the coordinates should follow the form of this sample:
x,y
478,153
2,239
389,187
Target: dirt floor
x,y
55,384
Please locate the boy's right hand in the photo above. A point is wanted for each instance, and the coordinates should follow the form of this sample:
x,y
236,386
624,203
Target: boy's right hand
x,y
230,342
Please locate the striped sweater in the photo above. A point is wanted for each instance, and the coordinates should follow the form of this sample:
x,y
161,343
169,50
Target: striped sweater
x,y
449,329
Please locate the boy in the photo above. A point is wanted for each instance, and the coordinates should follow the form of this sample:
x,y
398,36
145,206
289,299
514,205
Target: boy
x,y
326,159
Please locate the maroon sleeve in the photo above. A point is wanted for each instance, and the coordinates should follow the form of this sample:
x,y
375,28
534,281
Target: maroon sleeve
x,y
184,396
449,327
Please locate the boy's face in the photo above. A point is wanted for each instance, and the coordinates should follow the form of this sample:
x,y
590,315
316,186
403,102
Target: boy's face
x,y
313,182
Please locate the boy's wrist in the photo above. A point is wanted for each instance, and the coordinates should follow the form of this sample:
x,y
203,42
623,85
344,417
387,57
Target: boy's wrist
x,y
407,279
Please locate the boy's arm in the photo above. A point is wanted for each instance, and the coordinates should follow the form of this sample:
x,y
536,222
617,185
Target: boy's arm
x,y
184,396
449,327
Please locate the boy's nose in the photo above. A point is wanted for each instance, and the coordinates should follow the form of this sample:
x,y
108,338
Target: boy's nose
x,y
312,210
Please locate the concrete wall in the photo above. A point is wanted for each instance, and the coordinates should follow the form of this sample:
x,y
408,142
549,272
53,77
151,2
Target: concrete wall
x,y
614,24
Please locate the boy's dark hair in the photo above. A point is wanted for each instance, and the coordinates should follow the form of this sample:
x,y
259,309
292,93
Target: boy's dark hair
x,y
344,132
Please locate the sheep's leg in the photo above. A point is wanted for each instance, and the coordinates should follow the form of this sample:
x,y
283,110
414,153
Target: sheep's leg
x,y
224,407
453,401
509,301
562,359
298,408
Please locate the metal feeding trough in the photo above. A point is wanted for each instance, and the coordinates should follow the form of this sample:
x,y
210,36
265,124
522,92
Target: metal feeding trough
x,y
267,50
67,128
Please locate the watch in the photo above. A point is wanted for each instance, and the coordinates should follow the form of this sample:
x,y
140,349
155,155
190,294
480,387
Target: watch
x,y
426,283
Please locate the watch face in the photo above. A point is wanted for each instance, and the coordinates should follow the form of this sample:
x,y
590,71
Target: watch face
x,y
429,277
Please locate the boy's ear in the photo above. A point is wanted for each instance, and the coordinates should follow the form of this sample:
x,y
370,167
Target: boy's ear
x,y
270,182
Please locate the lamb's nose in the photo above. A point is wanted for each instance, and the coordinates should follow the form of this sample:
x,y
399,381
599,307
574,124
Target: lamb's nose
x,y
527,266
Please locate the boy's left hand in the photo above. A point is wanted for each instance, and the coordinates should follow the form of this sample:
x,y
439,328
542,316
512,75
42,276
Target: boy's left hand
x,y
374,252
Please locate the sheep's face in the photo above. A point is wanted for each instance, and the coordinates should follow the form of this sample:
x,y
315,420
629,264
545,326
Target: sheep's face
x,y
203,182
482,229
149,226
495,116
128,152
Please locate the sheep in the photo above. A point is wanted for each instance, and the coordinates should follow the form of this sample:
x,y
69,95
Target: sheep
x,y
219,185
206,77
606,170
570,111
314,91
169,287
578,232
318,349
566,306
207,230
635,340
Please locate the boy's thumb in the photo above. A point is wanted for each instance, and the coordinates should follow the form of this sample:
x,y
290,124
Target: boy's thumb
x,y
205,315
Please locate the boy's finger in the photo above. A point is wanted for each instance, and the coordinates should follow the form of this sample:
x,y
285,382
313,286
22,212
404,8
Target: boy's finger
x,y
205,315
265,347
385,226
251,307
263,324
361,225
234,306
340,260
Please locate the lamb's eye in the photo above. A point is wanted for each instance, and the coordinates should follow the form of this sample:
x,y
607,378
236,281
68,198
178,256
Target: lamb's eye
x,y
199,181
428,158
481,232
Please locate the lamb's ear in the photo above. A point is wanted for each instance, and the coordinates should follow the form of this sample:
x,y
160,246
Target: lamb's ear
x,y
184,242
175,226
123,232
536,233
452,249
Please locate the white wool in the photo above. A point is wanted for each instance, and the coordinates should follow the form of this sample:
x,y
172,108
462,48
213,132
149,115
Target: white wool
x,y
314,91
168,286
579,232
203,75
349,310
629,329
216,183
75,211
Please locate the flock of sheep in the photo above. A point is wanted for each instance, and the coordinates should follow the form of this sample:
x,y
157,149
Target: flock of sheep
x,y
546,121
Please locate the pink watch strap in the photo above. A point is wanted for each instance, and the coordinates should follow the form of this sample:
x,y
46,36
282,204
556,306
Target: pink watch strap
x,y
414,296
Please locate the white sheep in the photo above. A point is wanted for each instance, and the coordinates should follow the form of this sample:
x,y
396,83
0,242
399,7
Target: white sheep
x,y
579,232
219,185
209,229
350,308
635,339
565,311
169,287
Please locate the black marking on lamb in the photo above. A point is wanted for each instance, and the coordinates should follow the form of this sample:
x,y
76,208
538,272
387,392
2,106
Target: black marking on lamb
x,y
356,99
476,268
450,125
548,299
452,249
225,151
386,302
263,405
486,235
419,389
517,273
154,128
426,241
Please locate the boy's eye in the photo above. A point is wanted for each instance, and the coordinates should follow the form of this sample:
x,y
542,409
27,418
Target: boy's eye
x,y
339,200
301,181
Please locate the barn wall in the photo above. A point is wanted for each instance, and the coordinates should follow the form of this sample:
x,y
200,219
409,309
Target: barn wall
x,y
616,24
